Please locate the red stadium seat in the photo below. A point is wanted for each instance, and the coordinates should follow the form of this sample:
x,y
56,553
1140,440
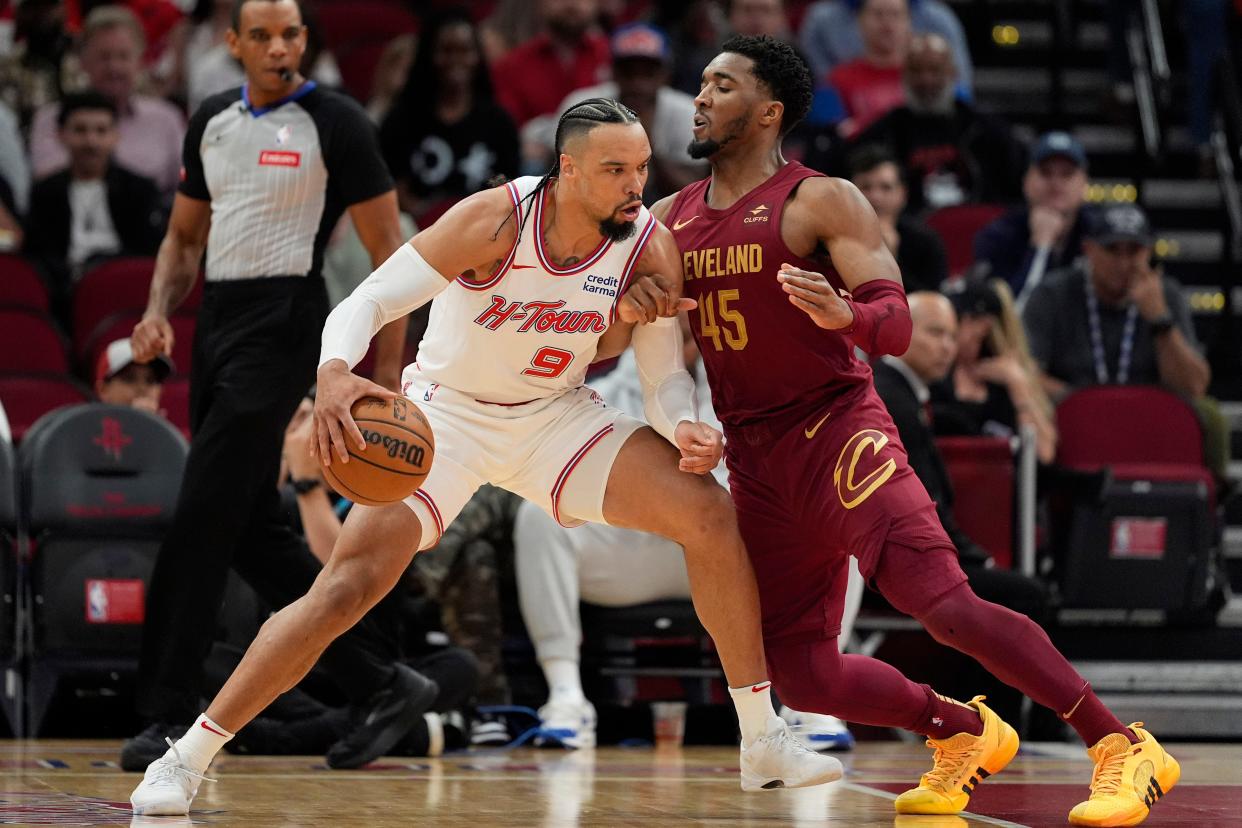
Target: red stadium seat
x,y
21,286
27,398
983,476
30,343
116,285
1109,424
357,34
957,227
121,325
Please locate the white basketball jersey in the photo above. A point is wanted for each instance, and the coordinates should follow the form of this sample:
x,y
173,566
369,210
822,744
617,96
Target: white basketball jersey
x,y
531,330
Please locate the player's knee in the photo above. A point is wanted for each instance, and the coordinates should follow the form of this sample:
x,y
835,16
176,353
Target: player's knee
x,y
342,599
708,514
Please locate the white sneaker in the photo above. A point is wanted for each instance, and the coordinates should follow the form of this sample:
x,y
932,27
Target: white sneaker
x,y
778,760
167,788
567,724
817,731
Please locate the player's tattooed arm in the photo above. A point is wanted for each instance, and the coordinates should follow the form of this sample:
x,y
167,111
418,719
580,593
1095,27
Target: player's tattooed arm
x,y
472,238
656,286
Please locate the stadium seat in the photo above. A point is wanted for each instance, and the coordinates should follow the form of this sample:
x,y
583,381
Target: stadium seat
x,y
26,398
982,472
1150,542
98,486
30,343
357,34
21,286
120,326
115,285
957,227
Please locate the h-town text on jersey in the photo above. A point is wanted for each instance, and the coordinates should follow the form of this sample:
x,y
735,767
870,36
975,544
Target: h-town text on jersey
x,y
541,317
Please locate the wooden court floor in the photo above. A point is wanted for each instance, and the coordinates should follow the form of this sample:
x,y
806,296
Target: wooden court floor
x,y
78,783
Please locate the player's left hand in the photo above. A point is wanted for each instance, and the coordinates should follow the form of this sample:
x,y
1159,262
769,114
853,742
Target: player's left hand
x,y
649,297
816,297
701,447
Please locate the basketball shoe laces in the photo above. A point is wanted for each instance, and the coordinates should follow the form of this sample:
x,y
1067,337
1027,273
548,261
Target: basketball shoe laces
x,y
947,763
1106,778
171,773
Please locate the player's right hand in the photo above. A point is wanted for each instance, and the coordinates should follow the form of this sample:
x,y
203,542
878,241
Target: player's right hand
x,y
701,447
337,389
152,336
649,297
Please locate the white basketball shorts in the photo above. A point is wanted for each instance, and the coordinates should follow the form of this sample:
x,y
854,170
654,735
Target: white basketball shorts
x,y
556,453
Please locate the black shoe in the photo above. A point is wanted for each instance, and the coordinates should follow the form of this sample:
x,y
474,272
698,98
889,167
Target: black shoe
x,y
384,719
149,745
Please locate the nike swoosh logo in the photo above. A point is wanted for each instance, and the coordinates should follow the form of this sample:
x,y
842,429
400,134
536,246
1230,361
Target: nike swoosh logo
x,y
758,688
211,729
520,267
811,432
677,225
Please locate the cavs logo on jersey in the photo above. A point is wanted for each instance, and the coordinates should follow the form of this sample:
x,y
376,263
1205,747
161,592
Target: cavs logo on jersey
x,y
855,485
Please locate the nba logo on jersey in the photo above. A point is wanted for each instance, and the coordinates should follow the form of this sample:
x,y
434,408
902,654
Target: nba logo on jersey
x,y
283,135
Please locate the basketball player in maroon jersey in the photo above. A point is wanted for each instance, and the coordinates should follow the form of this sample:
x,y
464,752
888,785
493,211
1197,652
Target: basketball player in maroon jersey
x,y
791,274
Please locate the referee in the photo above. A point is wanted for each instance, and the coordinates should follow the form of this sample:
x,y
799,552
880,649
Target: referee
x,y
268,170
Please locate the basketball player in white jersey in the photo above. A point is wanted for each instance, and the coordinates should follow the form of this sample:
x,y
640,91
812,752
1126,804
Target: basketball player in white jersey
x,y
544,264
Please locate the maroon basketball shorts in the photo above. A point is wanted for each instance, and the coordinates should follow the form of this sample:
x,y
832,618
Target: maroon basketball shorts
x,y
829,482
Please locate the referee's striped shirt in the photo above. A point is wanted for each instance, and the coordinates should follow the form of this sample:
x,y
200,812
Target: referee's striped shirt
x,y
278,178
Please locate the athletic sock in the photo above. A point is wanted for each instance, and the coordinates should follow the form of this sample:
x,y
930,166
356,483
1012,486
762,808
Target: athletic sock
x,y
944,717
1092,720
564,680
754,709
201,743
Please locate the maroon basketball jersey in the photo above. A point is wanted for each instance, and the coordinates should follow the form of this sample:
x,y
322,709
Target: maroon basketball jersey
x,y
763,355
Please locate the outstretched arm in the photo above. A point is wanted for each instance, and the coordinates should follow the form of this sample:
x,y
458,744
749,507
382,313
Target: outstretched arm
x,y
832,212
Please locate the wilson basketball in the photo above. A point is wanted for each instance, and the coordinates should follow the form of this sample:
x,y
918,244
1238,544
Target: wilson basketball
x,y
400,447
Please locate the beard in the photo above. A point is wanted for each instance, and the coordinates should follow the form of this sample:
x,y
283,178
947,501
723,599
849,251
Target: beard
x,y
942,104
706,148
617,231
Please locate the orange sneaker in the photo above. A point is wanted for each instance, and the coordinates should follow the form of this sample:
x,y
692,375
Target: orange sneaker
x,y
1127,781
961,763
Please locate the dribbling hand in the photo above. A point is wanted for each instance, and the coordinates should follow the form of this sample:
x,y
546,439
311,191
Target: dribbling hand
x,y
336,391
701,447
649,297
816,297
152,336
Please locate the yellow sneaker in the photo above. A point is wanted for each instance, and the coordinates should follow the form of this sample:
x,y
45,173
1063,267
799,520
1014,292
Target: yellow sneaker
x,y
1127,781
961,763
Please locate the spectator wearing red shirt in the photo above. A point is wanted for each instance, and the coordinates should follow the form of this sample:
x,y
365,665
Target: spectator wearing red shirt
x,y
872,85
534,78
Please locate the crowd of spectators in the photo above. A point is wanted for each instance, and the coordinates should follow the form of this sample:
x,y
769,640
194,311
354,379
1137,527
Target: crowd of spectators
x,y
94,101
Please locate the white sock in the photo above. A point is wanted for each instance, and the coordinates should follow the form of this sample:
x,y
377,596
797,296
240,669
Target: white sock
x,y
201,743
564,680
754,709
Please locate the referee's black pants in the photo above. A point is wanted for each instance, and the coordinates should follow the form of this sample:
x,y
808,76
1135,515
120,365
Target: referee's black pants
x,y
256,347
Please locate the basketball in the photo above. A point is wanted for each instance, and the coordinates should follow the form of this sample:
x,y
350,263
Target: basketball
x,y
398,456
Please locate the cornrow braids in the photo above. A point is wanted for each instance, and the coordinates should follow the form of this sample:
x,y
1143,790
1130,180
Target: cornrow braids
x,y
579,119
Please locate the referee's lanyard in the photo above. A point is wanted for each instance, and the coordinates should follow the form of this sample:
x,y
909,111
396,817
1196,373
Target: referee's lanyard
x,y
1097,338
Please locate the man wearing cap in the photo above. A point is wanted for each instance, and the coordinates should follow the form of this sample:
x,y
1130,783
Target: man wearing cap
x,y
640,71
121,381
1113,318
1046,234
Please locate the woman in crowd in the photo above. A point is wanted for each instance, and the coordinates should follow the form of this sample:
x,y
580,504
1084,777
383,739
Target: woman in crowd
x,y
446,137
